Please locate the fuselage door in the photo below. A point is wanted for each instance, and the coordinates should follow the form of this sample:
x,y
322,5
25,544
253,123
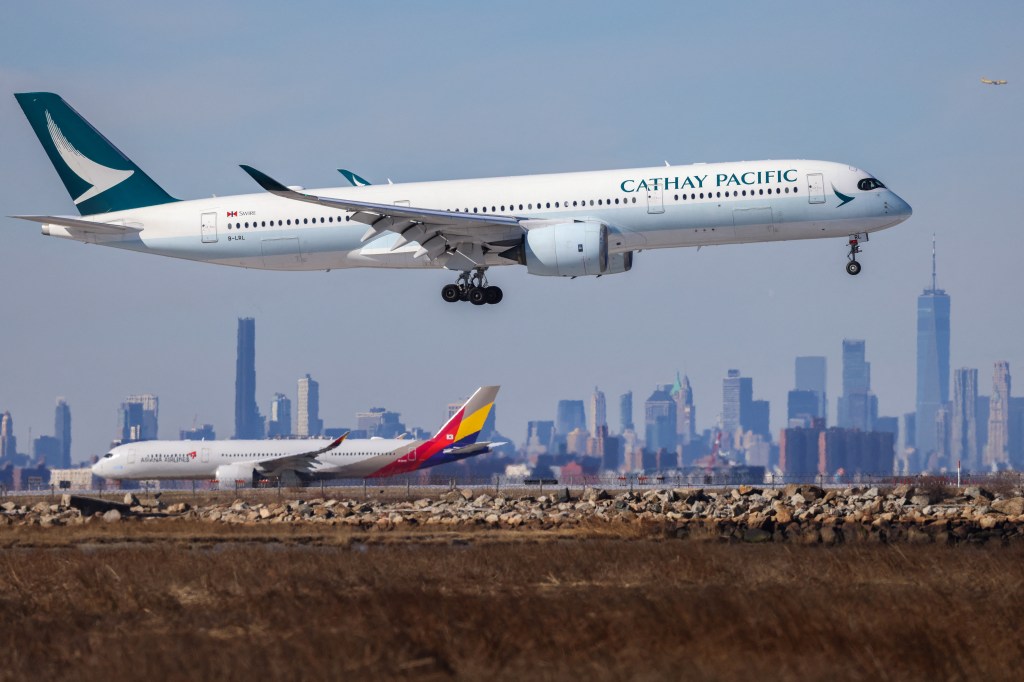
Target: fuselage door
x,y
655,200
205,454
815,188
209,228
131,456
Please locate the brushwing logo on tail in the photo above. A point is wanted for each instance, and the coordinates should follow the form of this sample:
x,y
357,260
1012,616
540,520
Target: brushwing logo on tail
x,y
99,176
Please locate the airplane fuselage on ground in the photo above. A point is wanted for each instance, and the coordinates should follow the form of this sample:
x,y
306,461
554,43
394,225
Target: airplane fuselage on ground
x,y
236,459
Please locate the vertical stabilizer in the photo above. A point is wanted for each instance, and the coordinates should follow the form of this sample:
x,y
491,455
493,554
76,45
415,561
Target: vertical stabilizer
x,y
97,175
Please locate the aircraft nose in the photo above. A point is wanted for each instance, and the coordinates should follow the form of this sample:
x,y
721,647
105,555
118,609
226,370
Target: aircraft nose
x,y
898,207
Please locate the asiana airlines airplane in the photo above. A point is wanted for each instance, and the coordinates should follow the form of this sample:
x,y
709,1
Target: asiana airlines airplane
x,y
565,224
247,461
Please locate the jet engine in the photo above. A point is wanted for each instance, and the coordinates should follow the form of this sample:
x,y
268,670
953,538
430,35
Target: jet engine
x,y
619,262
567,249
230,474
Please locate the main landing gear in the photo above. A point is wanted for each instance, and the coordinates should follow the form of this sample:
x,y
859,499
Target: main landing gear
x,y
853,265
471,286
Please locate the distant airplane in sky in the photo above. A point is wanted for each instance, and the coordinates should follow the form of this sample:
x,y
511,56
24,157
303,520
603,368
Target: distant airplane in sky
x,y
986,81
231,461
567,224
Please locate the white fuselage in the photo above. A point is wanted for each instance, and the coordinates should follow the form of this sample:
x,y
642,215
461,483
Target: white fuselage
x,y
201,460
646,208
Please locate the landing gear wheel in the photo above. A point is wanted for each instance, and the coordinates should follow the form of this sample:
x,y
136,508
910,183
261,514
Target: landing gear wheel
x,y
494,295
478,295
451,293
853,267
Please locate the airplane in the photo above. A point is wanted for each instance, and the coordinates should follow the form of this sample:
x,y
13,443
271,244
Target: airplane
x,y
986,81
566,224
302,460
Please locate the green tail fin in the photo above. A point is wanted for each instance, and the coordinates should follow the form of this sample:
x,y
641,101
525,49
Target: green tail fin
x,y
97,175
354,179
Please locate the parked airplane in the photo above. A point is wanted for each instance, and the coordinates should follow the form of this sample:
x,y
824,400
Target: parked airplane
x,y
986,81
567,224
228,461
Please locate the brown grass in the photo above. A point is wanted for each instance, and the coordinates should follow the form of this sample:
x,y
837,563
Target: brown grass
x,y
129,602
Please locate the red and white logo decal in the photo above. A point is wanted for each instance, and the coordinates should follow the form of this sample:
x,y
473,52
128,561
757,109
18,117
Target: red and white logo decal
x,y
232,214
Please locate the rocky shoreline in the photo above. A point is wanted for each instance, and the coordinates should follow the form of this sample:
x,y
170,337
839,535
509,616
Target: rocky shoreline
x,y
803,514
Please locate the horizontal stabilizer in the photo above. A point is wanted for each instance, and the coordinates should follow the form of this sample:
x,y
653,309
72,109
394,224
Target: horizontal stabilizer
x,y
78,224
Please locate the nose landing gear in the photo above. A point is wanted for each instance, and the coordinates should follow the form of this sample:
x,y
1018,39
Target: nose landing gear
x,y
472,286
853,265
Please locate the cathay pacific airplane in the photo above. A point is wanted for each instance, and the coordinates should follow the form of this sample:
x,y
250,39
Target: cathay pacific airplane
x,y
567,224
246,461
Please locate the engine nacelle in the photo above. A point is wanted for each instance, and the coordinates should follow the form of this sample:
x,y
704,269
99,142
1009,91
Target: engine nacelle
x,y
230,475
567,249
619,262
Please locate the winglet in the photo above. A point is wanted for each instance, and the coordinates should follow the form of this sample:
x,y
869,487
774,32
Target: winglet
x,y
337,441
266,182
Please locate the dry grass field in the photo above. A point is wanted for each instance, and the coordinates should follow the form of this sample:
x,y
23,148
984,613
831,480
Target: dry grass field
x,y
198,602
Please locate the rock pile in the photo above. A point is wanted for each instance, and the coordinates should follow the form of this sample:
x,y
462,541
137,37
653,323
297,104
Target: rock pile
x,y
804,514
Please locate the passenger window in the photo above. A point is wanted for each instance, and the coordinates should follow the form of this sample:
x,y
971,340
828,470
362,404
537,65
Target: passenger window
x,y
634,200
547,204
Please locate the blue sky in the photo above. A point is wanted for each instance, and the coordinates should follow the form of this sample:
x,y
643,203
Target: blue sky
x,y
418,91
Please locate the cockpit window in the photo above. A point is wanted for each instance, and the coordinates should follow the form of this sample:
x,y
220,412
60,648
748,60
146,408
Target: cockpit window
x,y
869,184
108,455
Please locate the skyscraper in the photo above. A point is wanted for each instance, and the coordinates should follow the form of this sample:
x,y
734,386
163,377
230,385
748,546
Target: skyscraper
x,y
811,376
964,431
309,423
932,360
597,412
248,422
570,416
686,411
280,417
858,406
626,411
737,396
62,432
997,453
660,420
8,443
138,418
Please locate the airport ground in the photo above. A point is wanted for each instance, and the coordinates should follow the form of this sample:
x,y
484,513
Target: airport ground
x,y
195,600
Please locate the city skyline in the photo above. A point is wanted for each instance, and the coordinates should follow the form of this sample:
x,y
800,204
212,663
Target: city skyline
x,y
957,419
752,307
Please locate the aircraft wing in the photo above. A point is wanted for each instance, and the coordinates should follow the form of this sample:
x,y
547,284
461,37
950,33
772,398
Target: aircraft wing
x,y
473,449
438,232
79,224
299,461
